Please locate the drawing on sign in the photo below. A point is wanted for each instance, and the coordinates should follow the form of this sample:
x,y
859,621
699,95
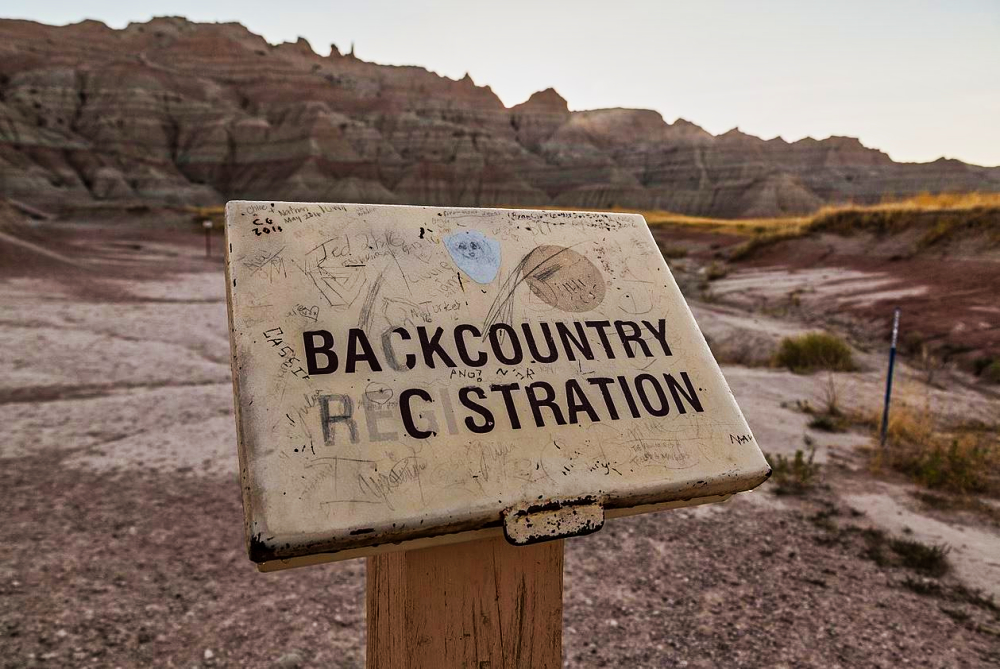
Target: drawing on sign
x,y
559,276
341,284
475,254
564,279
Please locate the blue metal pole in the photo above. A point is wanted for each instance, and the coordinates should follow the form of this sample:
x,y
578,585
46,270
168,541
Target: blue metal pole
x,y
888,381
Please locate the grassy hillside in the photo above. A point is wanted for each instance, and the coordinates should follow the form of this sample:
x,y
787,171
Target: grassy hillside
x,y
948,212
887,216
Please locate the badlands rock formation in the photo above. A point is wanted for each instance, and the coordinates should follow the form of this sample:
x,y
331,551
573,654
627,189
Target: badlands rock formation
x,y
174,112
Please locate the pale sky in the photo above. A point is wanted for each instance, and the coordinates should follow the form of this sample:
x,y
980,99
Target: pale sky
x,y
917,79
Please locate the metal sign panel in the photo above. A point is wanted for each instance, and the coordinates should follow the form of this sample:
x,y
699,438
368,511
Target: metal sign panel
x,y
419,374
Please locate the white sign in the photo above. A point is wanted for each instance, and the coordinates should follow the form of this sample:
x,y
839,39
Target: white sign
x,y
418,374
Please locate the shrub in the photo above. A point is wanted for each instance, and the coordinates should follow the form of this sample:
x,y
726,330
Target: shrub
x,y
794,476
964,463
831,418
815,351
888,551
716,271
929,560
963,459
826,423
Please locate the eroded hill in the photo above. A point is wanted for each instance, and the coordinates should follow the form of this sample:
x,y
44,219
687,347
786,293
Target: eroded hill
x,y
175,112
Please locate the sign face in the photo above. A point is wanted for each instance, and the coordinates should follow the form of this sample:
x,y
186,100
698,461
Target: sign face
x,y
422,374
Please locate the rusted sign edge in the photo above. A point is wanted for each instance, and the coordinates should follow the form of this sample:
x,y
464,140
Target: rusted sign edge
x,y
458,537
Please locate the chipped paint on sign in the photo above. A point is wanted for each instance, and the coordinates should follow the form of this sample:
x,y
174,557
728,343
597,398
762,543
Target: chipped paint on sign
x,y
415,374
530,523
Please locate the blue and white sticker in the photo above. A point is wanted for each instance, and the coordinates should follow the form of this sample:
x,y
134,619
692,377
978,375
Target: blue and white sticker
x,y
475,254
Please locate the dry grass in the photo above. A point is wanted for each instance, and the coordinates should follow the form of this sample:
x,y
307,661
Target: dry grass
x,y
764,227
215,214
922,202
830,417
954,212
937,201
739,226
963,458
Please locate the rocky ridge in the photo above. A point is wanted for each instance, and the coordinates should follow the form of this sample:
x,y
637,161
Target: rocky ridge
x,y
183,113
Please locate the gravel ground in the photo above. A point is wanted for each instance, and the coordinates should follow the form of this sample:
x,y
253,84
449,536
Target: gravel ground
x,y
142,567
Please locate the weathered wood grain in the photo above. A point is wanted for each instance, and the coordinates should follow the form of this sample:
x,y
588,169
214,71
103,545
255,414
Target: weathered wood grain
x,y
481,604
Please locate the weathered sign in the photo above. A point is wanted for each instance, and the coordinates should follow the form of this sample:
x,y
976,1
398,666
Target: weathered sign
x,y
418,374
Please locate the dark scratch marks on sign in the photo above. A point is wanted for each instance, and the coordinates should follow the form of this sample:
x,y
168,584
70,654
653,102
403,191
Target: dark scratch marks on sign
x,y
461,285
274,263
350,501
402,274
502,309
381,486
340,286
365,319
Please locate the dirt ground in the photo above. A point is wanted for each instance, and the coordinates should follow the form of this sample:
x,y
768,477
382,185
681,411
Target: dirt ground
x,y
123,540
947,292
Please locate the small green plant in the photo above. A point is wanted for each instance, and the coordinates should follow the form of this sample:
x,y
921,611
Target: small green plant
x,y
886,551
814,351
924,586
958,615
827,423
715,272
991,373
929,560
794,476
955,592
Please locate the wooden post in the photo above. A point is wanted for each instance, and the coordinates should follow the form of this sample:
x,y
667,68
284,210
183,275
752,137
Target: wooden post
x,y
482,604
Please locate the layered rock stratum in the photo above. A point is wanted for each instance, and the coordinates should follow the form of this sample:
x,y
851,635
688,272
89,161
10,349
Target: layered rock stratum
x,y
172,112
